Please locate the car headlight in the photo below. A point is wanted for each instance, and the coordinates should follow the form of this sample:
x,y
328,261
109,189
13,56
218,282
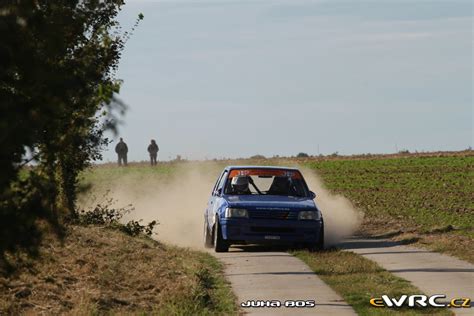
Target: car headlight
x,y
309,215
236,212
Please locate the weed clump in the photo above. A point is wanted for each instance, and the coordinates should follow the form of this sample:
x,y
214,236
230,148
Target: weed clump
x,y
105,213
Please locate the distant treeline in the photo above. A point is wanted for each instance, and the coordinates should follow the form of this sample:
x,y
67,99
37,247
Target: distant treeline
x,y
57,97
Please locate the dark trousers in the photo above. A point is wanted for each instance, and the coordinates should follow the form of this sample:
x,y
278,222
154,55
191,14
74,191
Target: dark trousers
x,y
153,159
122,158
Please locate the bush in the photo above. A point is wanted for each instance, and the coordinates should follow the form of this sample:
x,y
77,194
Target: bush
x,y
134,228
104,213
302,155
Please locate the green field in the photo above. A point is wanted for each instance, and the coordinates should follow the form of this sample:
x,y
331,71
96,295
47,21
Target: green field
x,y
104,175
421,192
429,199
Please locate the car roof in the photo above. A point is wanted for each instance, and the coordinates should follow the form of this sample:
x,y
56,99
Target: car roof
x,y
261,167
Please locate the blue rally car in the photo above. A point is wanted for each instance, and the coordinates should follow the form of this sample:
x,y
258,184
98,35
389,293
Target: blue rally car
x,y
257,205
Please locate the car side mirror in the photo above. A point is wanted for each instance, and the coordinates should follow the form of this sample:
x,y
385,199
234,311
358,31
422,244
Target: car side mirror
x,y
218,192
312,194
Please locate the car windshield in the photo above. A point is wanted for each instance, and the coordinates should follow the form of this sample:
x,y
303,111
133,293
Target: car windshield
x,y
266,182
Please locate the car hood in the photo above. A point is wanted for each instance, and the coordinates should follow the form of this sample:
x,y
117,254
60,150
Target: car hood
x,y
270,201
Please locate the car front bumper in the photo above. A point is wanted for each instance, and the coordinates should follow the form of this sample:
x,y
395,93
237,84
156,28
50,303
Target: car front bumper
x,y
242,230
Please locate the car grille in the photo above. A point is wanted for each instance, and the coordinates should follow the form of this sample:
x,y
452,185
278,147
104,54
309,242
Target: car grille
x,y
273,214
272,230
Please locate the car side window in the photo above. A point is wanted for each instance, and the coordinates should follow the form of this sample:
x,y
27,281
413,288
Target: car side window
x,y
217,183
222,181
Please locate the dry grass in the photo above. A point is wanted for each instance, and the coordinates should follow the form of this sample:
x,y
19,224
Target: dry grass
x,y
97,270
444,239
450,243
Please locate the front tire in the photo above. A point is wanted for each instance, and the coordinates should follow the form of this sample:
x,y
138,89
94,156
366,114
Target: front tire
x,y
220,245
320,244
207,236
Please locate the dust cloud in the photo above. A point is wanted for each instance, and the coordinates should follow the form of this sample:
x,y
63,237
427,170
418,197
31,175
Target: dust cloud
x,y
341,218
178,201
178,204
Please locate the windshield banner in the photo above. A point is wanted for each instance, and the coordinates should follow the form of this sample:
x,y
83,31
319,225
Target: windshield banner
x,y
294,174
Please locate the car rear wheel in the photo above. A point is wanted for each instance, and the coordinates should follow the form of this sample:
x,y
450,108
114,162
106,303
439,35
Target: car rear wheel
x,y
207,236
220,245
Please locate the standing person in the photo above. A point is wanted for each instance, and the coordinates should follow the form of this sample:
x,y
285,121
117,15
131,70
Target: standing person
x,y
121,149
153,151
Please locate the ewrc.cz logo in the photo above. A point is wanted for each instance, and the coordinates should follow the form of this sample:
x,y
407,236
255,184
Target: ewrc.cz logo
x,y
420,301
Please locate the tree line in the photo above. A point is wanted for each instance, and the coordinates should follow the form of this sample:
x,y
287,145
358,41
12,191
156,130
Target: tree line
x,y
58,87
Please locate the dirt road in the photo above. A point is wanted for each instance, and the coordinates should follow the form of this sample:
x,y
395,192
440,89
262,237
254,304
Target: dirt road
x,y
256,274
431,272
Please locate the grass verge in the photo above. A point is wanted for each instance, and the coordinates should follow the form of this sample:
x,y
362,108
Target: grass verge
x,y
358,280
96,270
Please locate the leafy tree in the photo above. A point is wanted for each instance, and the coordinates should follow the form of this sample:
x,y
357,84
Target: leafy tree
x,y
57,97
302,155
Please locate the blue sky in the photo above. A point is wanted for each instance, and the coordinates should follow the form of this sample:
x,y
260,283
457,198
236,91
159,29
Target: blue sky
x,y
212,79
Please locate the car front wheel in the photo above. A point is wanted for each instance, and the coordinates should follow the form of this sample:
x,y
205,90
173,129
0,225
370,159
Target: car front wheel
x,y
320,244
220,245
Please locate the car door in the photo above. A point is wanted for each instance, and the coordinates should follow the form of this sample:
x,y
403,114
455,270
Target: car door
x,y
210,203
216,197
